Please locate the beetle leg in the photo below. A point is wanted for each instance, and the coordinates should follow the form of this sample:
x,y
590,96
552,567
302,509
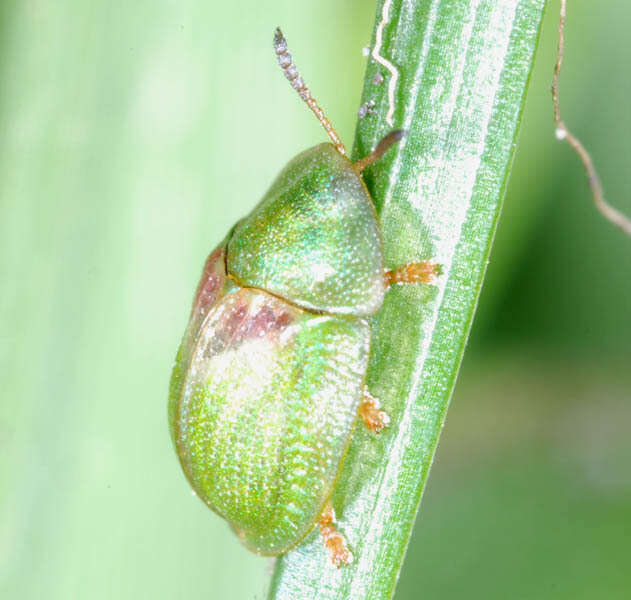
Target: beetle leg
x,y
371,414
382,147
421,272
333,540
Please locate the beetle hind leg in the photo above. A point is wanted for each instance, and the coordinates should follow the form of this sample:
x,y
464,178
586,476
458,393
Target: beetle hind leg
x,y
371,414
421,272
334,541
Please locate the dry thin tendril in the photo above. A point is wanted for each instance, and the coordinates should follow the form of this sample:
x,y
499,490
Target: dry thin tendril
x,y
563,133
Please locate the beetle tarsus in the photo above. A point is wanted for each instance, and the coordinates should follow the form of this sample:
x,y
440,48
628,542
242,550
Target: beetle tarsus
x,y
421,272
333,540
371,414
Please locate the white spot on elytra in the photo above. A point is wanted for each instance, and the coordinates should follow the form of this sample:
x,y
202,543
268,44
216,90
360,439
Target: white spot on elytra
x,y
321,271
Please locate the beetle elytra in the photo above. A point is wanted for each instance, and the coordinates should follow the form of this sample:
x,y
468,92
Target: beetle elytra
x,y
269,380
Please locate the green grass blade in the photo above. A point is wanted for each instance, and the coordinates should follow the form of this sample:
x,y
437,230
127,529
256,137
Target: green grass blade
x,y
462,69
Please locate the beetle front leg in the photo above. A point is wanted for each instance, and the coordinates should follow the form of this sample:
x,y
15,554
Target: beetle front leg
x,y
333,540
421,272
371,414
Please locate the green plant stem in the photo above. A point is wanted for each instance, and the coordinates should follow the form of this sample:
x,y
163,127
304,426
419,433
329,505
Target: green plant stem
x,y
461,73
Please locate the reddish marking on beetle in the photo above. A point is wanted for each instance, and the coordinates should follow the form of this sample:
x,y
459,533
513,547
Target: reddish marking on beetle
x,y
422,272
245,322
261,322
209,283
333,540
266,321
283,319
232,323
371,414
240,311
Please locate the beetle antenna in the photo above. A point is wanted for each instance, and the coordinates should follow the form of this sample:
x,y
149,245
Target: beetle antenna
x,y
382,147
291,72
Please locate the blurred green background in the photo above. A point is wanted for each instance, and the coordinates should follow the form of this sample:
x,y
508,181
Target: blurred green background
x,y
132,136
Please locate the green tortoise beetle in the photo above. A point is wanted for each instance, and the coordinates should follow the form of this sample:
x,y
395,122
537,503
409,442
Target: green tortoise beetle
x,y
268,382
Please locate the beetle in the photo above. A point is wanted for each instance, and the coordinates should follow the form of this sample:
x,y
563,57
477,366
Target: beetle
x,y
269,380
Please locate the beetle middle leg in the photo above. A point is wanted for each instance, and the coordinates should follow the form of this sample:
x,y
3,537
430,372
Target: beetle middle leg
x,y
333,540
